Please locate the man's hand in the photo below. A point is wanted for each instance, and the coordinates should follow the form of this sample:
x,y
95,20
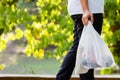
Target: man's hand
x,y
87,15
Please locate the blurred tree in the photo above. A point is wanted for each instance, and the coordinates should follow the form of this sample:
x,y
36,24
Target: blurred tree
x,y
111,30
46,26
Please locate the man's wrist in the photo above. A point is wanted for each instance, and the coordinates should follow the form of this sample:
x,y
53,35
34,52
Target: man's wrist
x,y
86,10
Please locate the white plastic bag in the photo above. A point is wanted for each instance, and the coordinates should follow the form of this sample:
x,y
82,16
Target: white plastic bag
x,y
92,51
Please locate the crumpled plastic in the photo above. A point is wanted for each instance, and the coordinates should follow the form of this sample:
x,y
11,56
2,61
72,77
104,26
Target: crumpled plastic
x,y
92,51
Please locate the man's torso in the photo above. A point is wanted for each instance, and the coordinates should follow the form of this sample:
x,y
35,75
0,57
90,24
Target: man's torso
x,y
95,6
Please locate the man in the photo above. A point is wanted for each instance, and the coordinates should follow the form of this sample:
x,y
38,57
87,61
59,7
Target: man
x,y
81,11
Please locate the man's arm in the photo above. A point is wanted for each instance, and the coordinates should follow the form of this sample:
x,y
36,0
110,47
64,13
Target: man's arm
x,y
87,15
84,4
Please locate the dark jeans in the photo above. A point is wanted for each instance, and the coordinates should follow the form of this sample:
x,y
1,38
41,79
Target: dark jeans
x,y
68,64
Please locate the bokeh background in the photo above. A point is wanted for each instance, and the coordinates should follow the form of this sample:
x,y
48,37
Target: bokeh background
x,y
35,35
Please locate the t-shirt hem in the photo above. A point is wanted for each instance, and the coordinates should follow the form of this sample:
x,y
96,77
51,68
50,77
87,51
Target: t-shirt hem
x,y
81,12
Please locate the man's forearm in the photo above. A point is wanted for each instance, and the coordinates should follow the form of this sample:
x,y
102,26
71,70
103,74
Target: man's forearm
x,y
84,4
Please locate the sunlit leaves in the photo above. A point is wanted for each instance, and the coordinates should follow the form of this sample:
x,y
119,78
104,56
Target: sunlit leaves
x,y
106,71
50,27
2,44
39,54
106,31
18,33
111,30
2,66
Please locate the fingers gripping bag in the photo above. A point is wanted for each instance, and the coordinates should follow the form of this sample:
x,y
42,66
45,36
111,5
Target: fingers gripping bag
x,y
92,51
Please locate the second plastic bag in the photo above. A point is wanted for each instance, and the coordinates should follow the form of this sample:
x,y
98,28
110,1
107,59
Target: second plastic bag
x,y
92,51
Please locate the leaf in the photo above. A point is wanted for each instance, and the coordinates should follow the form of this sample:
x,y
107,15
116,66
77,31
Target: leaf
x,y
2,67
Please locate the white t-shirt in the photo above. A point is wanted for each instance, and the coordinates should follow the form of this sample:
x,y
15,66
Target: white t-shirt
x,y
95,6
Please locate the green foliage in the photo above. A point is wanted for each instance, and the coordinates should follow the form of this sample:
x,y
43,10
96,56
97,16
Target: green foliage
x,y
112,19
49,26
111,30
2,67
106,71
